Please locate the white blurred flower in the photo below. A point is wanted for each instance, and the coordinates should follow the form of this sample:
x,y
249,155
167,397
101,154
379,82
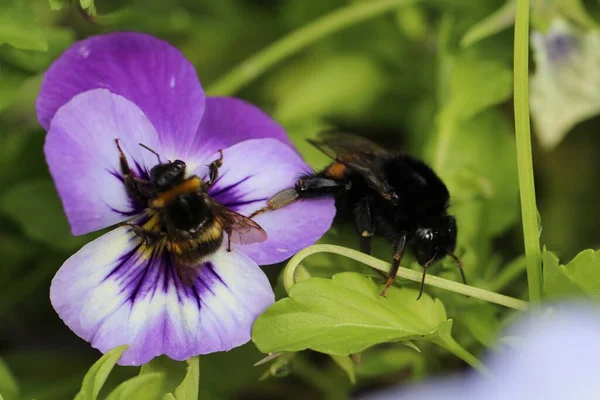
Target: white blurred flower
x,y
565,88
554,355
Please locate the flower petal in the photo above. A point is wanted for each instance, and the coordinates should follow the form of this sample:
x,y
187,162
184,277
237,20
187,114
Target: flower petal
x,y
113,292
228,121
145,70
252,172
84,159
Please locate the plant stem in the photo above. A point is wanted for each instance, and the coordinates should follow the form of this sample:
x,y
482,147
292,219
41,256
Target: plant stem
x,y
291,270
524,157
330,23
508,273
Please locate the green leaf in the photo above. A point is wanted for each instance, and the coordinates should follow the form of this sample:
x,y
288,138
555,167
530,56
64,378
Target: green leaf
x,y
345,315
225,374
11,80
498,21
482,323
477,84
565,86
89,6
57,5
35,206
343,85
173,372
18,27
97,374
184,387
8,384
580,277
584,271
481,174
35,61
188,389
141,387
347,365
378,362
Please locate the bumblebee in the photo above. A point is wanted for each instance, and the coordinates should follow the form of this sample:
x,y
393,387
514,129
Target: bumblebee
x,y
384,193
185,218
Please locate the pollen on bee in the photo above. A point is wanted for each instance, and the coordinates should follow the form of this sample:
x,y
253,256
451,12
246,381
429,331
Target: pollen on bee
x,y
173,247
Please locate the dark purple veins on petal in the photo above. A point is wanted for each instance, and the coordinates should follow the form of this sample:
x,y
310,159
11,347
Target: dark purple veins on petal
x,y
228,188
233,198
142,271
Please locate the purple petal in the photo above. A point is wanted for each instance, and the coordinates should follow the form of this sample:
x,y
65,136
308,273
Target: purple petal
x,y
553,355
84,160
228,121
114,292
145,70
252,172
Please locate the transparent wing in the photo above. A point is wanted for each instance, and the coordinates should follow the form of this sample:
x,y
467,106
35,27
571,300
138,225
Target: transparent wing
x,y
359,154
241,229
345,146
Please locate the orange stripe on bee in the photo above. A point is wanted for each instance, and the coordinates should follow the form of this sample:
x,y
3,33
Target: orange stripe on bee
x,y
191,185
336,170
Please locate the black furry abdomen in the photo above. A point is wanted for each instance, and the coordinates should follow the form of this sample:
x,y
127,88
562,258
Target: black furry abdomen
x,y
421,193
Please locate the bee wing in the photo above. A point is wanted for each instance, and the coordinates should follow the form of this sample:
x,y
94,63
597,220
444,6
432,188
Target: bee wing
x,y
358,154
241,229
346,146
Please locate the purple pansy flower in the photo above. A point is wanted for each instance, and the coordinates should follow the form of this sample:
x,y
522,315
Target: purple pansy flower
x,y
116,290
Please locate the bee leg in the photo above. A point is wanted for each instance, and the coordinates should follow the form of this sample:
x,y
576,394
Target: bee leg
x,y
213,169
399,247
228,231
363,220
280,200
307,187
135,186
427,264
149,237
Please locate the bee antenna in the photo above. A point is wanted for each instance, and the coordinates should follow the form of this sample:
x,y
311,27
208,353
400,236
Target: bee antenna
x,y
151,151
460,266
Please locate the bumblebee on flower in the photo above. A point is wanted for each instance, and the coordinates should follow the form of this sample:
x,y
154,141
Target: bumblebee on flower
x,y
205,164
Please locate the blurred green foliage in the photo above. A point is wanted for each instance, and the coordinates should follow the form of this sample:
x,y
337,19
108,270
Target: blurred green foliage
x,y
433,78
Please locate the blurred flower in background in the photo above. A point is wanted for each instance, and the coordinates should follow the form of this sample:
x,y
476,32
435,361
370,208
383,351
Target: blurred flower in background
x,y
552,355
138,89
565,88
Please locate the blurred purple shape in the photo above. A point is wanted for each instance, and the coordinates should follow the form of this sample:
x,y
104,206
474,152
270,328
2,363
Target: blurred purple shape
x,y
554,355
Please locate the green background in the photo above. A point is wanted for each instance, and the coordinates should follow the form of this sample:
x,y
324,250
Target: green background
x,y
419,78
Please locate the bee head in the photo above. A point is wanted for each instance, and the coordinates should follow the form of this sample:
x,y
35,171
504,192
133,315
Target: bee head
x,y
164,176
435,240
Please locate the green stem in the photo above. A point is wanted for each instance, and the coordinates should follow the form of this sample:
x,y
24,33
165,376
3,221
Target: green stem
x,y
337,20
291,271
524,157
509,273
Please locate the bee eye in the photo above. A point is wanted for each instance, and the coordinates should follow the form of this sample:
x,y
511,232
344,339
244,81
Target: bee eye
x,y
179,165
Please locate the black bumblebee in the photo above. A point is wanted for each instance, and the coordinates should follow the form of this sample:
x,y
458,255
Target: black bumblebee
x,y
184,217
394,195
